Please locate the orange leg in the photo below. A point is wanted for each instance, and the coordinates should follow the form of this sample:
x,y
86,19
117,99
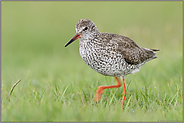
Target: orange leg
x,y
100,89
124,90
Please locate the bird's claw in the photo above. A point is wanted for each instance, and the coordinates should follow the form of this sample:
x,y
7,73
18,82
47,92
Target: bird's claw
x,y
98,94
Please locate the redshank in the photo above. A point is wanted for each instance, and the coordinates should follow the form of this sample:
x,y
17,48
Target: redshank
x,y
110,54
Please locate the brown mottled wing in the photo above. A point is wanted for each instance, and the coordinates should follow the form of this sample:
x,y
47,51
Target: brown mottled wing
x,y
133,54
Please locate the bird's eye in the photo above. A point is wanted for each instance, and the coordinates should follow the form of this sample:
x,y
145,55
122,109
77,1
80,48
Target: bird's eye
x,y
85,28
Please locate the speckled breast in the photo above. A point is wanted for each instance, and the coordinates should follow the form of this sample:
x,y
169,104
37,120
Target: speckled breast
x,y
104,60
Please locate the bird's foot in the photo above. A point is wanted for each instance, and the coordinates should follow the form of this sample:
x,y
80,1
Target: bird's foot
x,y
99,93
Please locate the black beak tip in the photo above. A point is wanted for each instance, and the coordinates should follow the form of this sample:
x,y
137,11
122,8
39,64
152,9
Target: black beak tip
x,y
69,42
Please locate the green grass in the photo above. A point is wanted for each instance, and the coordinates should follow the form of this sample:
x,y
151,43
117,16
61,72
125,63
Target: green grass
x,y
58,86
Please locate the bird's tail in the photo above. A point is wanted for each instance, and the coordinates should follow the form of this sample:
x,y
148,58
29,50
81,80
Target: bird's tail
x,y
155,49
151,53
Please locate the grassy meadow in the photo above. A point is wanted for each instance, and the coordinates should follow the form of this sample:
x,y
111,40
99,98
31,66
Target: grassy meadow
x,y
58,86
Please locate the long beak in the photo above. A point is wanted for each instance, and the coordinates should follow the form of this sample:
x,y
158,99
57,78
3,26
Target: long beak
x,y
73,39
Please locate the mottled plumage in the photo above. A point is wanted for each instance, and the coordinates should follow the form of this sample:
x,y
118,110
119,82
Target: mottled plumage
x,y
109,54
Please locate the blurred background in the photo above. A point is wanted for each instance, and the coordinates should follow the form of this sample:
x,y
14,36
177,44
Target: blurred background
x,y
34,35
